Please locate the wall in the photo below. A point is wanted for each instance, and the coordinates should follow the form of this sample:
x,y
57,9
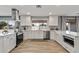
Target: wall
x,y
73,27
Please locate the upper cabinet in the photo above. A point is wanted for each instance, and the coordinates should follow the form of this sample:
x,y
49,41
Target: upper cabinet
x,y
23,20
53,21
26,20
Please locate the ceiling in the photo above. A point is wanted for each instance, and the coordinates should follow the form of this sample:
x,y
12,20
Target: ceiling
x,y
5,10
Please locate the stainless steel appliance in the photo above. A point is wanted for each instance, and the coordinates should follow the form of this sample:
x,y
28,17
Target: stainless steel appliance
x,y
47,35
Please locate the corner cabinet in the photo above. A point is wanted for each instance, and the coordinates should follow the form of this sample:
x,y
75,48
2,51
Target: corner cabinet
x,y
53,21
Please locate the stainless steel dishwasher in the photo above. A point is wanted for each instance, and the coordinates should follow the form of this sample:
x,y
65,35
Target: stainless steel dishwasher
x,y
47,35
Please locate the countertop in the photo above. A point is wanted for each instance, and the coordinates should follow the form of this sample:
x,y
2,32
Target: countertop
x,y
68,33
71,33
8,33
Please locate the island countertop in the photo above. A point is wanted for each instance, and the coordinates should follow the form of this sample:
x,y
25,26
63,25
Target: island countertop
x,y
8,33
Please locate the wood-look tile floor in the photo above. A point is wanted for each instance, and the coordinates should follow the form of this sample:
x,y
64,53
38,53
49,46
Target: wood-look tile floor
x,y
39,46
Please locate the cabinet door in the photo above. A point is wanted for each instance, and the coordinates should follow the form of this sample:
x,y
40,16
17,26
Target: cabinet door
x,y
1,44
23,20
52,35
53,21
12,41
6,44
26,21
59,37
9,42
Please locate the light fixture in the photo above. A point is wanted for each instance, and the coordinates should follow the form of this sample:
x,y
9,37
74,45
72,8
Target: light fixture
x,y
28,13
67,24
50,13
38,6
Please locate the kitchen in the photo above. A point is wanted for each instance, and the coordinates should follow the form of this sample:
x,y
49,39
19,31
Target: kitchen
x,y
38,25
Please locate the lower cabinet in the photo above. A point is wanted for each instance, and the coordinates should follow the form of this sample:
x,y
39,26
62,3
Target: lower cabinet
x,y
60,40
12,42
52,35
1,44
38,34
7,43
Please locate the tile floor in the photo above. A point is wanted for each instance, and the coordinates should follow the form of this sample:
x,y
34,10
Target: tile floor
x,y
39,46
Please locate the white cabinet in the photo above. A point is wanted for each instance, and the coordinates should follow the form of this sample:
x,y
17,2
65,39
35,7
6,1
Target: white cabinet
x,y
7,43
12,41
60,40
52,35
27,34
23,20
59,37
37,34
53,21
26,20
1,44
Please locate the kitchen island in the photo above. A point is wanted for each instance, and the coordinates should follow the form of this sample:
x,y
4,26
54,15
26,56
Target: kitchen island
x,y
7,41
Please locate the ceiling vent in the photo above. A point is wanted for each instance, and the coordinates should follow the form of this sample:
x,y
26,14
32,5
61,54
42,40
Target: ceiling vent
x,y
38,6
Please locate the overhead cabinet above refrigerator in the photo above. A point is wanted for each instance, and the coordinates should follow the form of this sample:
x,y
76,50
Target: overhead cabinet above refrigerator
x,y
26,20
53,21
